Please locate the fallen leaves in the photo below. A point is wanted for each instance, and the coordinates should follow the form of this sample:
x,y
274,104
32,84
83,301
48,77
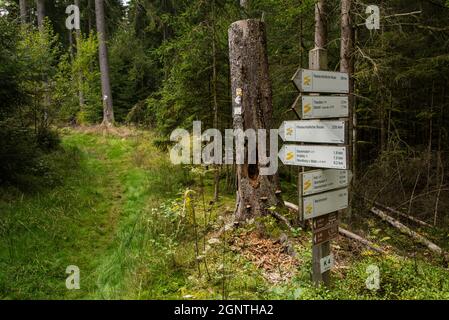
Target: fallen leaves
x,y
266,254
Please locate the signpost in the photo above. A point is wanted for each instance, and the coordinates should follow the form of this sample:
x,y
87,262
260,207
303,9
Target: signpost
x,y
321,192
324,203
324,180
326,263
325,235
314,131
321,81
324,221
322,107
315,156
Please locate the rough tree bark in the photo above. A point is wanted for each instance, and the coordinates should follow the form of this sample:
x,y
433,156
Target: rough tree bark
x,y
23,11
215,98
320,24
80,75
40,6
108,111
250,81
347,65
318,55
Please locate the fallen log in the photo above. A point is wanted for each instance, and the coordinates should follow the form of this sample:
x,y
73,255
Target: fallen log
x,y
344,232
406,230
291,206
353,236
411,218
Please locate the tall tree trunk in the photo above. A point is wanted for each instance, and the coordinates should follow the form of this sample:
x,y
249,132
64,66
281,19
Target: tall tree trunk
x,y
320,24
251,91
318,55
347,65
214,92
108,111
80,75
71,46
40,5
382,111
23,11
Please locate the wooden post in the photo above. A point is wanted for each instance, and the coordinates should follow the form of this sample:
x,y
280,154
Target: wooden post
x,y
252,109
318,61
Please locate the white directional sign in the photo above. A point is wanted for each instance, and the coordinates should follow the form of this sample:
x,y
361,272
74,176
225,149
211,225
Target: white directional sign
x,y
315,156
321,81
317,181
324,203
320,107
315,131
326,263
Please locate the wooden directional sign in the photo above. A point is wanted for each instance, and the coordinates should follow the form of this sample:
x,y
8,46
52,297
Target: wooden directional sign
x,y
317,181
321,107
321,81
326,263
314,131
324,203
324,221
315,156
325,234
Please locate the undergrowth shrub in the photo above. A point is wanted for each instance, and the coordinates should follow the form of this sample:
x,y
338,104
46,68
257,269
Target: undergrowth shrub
x,y
48,139
30,160
18,151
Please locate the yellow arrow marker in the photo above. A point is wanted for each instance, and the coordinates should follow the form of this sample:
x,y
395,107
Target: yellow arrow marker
x,y
307,108
307,80
289,131
309,209
290,155
307,184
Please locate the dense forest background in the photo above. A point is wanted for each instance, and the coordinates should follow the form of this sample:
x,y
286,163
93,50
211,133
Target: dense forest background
x,y
169,66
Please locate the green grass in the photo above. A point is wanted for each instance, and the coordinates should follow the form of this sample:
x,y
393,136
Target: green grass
x,y
117,211
43,233
92,220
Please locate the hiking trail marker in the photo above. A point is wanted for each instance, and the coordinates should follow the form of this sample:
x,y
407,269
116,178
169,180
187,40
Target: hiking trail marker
x,y
318,81
325,203
315,131
324,221
315,156
322,107
325,235
324,180
321,144
326,263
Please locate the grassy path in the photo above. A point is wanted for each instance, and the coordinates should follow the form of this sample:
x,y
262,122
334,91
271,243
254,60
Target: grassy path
x,y
89,221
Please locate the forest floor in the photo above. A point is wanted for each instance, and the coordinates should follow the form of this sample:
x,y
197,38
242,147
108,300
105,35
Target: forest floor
x,y
140,228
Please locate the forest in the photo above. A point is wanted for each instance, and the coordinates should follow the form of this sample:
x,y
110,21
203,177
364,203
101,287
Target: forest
x,y
92,205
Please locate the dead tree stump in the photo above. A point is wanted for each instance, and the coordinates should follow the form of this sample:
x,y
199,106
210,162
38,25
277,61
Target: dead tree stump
x,y
252,109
